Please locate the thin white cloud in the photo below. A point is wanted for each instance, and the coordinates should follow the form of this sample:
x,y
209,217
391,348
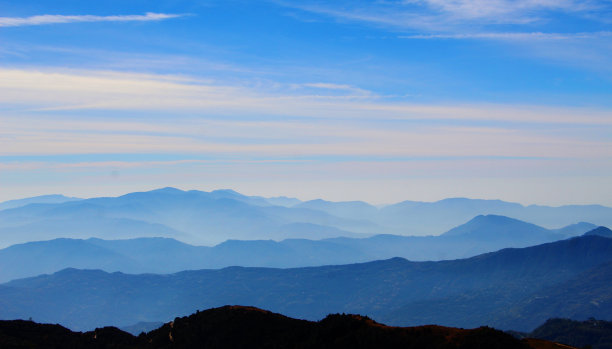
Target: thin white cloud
x,y
504,10
511,36
446,15
337,87
94,90
329,86
56,19
379,15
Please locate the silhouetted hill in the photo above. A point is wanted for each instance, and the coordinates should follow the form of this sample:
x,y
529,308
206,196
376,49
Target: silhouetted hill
x,y
248,327
19,334
600,231
596,334
462,293
240,327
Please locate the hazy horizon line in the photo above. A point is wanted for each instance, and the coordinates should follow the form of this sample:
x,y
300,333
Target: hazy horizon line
x,y
288,196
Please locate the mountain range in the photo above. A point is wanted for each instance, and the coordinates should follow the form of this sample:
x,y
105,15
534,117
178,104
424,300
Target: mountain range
x,y
164,255
510,289
209,218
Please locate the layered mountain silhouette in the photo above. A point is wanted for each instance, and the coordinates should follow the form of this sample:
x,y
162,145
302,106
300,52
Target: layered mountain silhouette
x,y
208,218
248,327
496,289
163,255
190,216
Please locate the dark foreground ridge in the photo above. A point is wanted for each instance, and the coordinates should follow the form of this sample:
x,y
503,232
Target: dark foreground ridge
x,y
595,334
249,327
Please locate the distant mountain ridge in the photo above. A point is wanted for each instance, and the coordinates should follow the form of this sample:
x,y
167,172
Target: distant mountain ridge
x,y
163,255
208,218
492,289
43,199
190,216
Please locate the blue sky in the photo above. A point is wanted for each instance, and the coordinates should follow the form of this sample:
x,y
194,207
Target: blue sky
x,y
375,100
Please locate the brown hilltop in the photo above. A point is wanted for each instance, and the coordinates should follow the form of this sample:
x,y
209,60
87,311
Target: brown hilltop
x,y
249,327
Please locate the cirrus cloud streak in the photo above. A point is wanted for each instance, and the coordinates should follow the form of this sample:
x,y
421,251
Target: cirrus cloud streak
x,y
58,19
74,90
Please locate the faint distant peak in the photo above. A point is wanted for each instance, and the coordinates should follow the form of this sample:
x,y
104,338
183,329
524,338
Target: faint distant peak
x,y
167,190
344,203
229,192
472,202
494,219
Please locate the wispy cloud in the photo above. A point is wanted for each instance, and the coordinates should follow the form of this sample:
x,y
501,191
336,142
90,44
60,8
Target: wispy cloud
x,y
83,90
56,19
444,14
511,36
336,87
503,11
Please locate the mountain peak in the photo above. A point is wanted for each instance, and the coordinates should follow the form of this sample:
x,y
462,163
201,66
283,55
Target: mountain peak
x,y
486,226
600,231
167,190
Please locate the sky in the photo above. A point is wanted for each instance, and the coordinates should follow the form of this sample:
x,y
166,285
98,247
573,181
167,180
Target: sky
x,y
380,101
